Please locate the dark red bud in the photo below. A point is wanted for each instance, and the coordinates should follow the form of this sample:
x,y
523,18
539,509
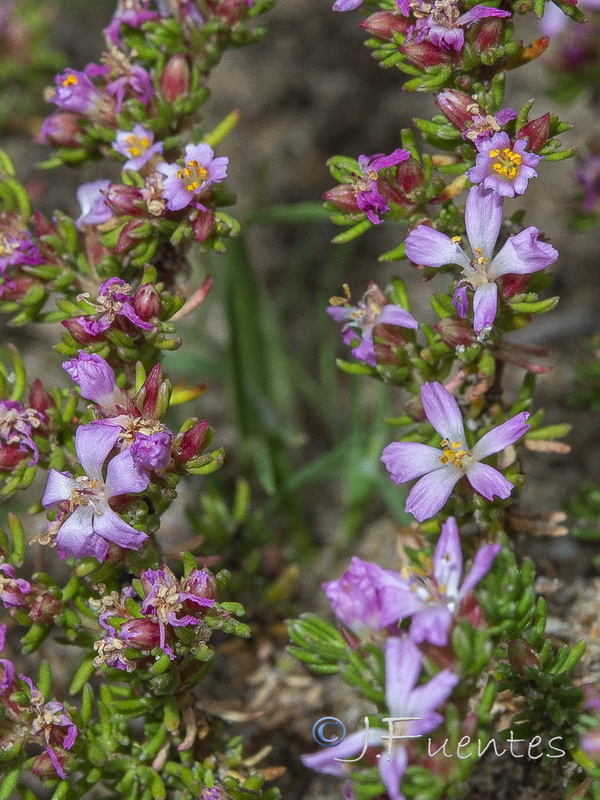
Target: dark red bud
x,y
127,237
175,79
42,225
455,332
150,390
384,24
204,225
343,197
487,34
458,107
521,654
536,132
201,583
142,633
39,399
193,441
43,767
514,284
44,608
147,303
10,456
17,288
424,54
78,333
122,199
409,176
60,129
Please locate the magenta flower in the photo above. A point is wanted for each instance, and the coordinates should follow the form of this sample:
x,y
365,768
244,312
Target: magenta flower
x,y
75,92
17,424
96,379
113,300
137,146
432,601
442,469
137,81
152,451
359,321
49,721
132,13
404,698
92,523
355,597
169,599
94,210
503,167
368,197
17,249
442,24
12,590
182,186
520,255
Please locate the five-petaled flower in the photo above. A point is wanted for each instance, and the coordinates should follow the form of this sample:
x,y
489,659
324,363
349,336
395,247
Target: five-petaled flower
x,y
520,255
138,147
405,700
503,166
441,22
92,523
439,470
359,321
184,185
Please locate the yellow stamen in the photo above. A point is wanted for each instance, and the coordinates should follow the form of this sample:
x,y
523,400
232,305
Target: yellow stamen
x,y
70,80
508,163
455,239
452,453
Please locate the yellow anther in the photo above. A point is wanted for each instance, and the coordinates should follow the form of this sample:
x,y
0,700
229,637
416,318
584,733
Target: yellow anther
x,y
191,187
134,151
494,153
452,453
455,239
70,80
508,163
346,289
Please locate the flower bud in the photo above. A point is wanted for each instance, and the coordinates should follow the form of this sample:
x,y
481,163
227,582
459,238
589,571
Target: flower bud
x,y
204,225
10,456
514,284
201,583
44,767
193,441
122,199
175,79
536,131
95,378
343,197
60,129
487,34
142,633
147,303
384,24
424,54
455,332
409,176
148,394
39,399
78,333
45,608
458,108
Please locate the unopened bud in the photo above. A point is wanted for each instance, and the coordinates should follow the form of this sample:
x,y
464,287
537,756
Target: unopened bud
x,y
424,54
39,399
514,284
175,79
193,441
10,456
384,24
536,132
60,129
44,767
78,333
521,655
342,197
455,332
147,303
458,107
124,199
487,34
204,225
45,608
142,633
409,176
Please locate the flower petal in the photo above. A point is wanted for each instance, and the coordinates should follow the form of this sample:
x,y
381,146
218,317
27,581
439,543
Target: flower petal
x,y
395,315
488,481
112,527
93,443
325,760
431,248
392,766
479,12
397,602
431,625
501,436
365,350
59,488
442,411
403,662
407,460
447,558
430,493
124,476
482,564
483,215
76,537
382,162
424,699
523,254
485,304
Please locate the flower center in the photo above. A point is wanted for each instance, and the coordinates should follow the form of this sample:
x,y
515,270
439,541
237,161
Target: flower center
x,y
135,425
86,493
508,163
445,13
6,248
453,453
15,423
137,146
194,175
70,80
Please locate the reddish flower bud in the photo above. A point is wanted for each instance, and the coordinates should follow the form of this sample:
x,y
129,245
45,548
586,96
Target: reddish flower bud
x,y
455,332
39,399
200,583
10,456
514,284
342,197
175,79
521,654
193,441
60,129
147,303
129,236
44,608
122,199
384,24
424,54
142,633
17,288
537,132
458,107
78,333
148,394
409,176
42,225
204,225
487,34
43,766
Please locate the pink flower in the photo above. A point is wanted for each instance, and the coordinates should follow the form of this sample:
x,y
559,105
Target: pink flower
x,y
137,146
502,166
185,185
439,470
